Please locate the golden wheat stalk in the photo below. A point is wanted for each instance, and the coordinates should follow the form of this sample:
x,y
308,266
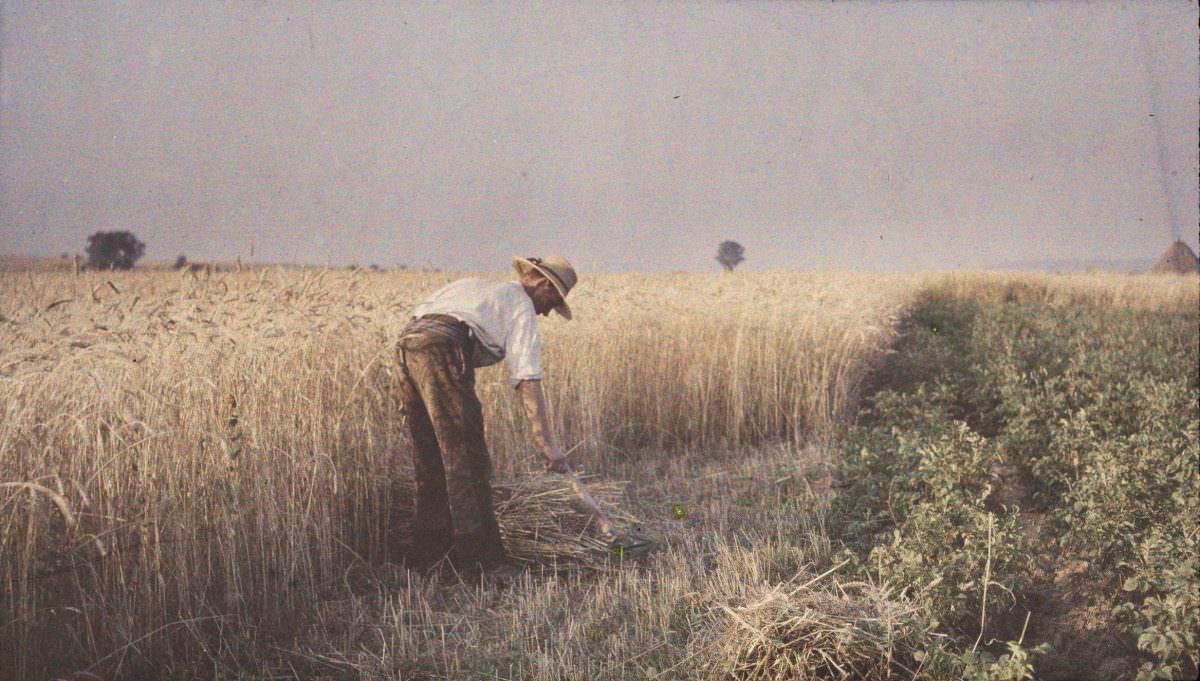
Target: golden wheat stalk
x,y
64,507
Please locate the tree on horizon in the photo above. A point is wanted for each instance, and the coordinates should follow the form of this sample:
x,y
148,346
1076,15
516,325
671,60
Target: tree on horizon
x,y
114,250
729,254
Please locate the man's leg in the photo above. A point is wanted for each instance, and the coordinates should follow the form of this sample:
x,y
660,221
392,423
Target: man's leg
x,y
447,385
431,529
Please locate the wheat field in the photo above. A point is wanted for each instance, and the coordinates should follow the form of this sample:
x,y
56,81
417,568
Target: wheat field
x,y
204,475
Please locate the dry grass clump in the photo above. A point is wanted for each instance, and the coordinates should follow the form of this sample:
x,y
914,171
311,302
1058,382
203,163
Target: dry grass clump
x,y
836,632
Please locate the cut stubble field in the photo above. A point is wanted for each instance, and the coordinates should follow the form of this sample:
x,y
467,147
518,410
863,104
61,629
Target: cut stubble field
x,y
206,476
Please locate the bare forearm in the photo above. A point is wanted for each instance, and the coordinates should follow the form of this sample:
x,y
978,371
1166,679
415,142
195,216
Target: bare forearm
x,y
534,400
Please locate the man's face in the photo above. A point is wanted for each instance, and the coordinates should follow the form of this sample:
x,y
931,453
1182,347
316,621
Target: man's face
x,y
545,297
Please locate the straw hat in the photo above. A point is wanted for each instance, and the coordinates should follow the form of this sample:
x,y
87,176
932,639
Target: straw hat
x,y
557,270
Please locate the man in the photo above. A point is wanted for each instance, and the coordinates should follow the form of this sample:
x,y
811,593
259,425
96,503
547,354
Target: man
x,y
467,324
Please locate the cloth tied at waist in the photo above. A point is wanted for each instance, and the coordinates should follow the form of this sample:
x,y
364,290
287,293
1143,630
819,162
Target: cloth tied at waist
x,y
454,330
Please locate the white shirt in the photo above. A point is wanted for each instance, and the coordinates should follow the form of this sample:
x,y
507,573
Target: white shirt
x,y
502,317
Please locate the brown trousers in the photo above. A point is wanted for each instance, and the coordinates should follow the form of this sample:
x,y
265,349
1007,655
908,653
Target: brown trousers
x,y
454,511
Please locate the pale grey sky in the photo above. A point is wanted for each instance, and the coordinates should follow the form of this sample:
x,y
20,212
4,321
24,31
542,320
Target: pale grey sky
x,y
623,135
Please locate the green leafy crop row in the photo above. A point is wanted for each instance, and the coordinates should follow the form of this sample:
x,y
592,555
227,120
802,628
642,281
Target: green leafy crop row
x,y
1004,438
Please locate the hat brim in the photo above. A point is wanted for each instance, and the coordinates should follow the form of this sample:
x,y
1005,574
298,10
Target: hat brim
x,y
523,267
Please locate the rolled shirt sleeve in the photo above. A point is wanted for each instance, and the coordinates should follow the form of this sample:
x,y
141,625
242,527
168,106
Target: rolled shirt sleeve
x,y
523,347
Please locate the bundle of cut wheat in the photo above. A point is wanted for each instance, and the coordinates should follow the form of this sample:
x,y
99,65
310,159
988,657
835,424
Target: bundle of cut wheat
x,y
543,521
850,631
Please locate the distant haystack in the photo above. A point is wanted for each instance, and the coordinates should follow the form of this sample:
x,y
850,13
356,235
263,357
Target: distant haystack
x,y
1179,259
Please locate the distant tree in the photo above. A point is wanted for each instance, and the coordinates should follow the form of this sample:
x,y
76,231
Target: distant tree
x,y
180,262
729,254
114,250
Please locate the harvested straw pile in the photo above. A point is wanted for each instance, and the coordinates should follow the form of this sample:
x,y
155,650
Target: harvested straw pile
x,y
1178,259
853,631
544,523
